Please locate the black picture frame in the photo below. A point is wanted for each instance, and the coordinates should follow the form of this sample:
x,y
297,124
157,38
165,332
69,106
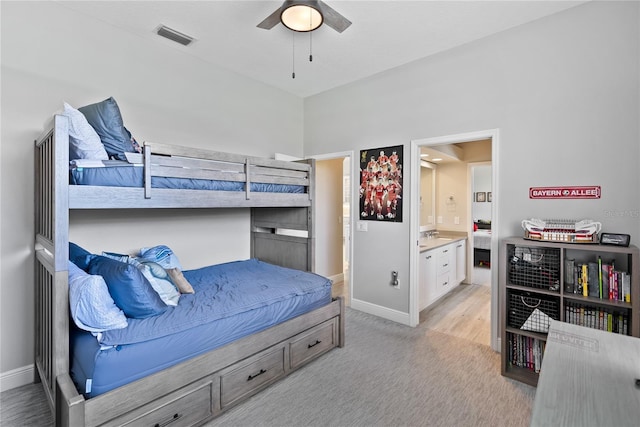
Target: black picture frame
x,y
381,184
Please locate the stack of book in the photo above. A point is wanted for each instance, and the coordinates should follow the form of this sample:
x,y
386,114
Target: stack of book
x,y
605,319
598,280
525,352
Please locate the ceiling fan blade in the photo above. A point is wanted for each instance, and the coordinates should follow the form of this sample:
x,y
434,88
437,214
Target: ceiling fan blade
x,y
332,18
271,20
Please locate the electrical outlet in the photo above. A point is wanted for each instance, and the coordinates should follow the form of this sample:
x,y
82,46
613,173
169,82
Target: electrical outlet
x,y
362,226
394,280
527,257
439,219
456,220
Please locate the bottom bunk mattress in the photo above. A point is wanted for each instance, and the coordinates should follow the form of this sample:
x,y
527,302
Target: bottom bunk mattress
x,y
231,300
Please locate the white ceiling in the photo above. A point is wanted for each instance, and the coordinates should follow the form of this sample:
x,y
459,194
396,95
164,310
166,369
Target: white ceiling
x,y
384,34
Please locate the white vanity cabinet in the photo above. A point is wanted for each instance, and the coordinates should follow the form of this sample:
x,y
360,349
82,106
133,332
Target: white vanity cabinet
x,y
428,274
461,261
441,269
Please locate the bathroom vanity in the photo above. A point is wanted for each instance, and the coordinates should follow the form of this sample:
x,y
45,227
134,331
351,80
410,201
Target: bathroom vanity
x,y
442,267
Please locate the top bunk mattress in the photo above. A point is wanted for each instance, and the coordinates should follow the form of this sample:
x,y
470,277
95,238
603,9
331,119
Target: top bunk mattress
x,y
231,300
129,175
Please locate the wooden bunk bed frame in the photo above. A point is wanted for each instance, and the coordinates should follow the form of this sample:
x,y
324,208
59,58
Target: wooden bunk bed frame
x,y
197,390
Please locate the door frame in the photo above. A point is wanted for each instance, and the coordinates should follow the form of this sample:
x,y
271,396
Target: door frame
x,y
494,135
352,168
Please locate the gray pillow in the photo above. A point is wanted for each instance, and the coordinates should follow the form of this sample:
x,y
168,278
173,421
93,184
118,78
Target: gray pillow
x,y
105,118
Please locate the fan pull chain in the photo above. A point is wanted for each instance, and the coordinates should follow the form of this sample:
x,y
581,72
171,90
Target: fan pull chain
x,y
310,39
293,55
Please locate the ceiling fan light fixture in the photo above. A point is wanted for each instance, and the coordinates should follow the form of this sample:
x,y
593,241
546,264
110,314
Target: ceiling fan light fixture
x,y
302,16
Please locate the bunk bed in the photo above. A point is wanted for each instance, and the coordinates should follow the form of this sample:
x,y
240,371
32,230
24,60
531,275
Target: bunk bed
x,y
199,388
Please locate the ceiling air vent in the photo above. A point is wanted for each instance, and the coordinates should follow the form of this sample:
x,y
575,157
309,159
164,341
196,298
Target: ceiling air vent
x,y
174,35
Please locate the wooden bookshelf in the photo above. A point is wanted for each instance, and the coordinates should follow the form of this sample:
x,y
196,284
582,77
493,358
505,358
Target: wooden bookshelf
x,y
535,287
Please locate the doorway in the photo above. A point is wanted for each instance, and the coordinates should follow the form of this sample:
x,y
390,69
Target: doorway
x,y
462,220
333,199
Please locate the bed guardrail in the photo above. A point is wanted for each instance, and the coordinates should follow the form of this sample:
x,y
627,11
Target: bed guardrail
x,y
171,161
51,251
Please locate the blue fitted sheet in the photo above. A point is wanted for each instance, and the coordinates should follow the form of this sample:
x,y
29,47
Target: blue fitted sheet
x,y
232,300
133,176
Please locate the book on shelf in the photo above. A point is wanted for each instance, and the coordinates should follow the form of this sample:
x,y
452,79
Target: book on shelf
x,y
525,352
597,279
592,277
604,319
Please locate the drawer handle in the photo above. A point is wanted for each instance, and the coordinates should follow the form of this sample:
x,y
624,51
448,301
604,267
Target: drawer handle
x,y
445,251
262,371
176,417
314,344
444,265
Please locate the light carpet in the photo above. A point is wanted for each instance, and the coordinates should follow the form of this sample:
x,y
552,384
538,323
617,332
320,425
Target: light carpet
x,y
386,375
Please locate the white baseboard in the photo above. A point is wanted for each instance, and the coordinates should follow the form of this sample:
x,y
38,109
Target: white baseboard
x,y
17,377
380,311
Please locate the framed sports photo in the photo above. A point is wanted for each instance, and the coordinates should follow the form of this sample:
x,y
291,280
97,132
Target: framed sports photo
x,y
381,184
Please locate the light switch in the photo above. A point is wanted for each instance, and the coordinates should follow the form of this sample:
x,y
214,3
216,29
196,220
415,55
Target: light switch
x,y
362,226
456,220
439,219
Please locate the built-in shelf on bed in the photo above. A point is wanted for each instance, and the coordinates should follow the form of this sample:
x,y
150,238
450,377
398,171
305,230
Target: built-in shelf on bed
x,y
200,388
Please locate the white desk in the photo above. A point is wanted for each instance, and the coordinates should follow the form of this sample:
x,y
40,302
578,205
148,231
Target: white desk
x,y
588,378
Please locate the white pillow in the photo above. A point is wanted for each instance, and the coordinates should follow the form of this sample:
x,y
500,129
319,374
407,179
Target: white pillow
x,y
92,307
84,141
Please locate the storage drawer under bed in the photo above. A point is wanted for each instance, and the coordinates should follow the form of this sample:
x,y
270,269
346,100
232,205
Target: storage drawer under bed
x,y
188,406
315,341
251,375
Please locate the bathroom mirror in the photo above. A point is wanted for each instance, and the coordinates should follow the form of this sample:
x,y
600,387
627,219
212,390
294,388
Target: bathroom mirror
x,y
427,196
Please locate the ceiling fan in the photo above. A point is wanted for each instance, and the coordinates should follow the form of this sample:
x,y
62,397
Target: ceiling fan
x,y
305,16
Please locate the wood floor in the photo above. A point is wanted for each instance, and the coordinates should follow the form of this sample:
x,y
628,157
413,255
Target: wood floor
x,y
464,313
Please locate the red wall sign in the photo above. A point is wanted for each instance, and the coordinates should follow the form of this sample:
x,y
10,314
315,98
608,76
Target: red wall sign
x,y
583,192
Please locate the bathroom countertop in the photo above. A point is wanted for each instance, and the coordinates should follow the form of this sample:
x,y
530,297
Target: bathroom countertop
x,y
426,244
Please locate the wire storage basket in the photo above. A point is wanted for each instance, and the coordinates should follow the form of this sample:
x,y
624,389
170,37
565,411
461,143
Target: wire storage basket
x,y
531,312
534,267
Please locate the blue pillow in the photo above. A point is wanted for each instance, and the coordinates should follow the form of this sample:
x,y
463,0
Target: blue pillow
x,y
128,287
78,256
161,254
155,274
105,118
90,303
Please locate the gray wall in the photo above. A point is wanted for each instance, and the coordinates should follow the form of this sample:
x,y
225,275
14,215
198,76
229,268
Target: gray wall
x,y
566,85
51,54
563,92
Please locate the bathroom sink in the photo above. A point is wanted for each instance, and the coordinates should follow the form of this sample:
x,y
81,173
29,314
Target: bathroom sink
x,y
445,238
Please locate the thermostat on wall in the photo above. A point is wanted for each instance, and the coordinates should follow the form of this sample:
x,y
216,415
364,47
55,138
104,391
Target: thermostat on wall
x,y
614,239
